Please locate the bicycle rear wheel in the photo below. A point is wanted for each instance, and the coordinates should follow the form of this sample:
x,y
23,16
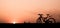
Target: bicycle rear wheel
x,y
39,21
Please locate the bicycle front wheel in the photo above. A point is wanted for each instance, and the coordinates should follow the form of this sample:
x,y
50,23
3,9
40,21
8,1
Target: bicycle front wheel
x,y
51,20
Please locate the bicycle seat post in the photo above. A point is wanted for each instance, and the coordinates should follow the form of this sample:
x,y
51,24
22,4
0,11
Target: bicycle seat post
x,y
40,15
47,15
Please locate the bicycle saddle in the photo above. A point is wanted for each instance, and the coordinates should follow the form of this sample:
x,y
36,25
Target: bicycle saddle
x,y
47,14
40,14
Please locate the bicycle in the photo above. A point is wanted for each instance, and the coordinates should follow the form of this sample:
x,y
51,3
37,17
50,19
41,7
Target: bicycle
x,y
47,19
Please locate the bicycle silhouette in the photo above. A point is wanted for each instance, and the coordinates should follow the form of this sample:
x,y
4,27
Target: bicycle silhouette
x,y
47,19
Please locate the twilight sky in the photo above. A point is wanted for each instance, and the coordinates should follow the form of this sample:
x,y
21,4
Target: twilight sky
x,y
27,10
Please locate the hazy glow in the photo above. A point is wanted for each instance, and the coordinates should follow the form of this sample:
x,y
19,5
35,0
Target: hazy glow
x,y
14,22
27,10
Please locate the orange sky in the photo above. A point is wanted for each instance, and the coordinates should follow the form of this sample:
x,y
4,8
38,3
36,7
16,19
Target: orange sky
x,y
27,10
